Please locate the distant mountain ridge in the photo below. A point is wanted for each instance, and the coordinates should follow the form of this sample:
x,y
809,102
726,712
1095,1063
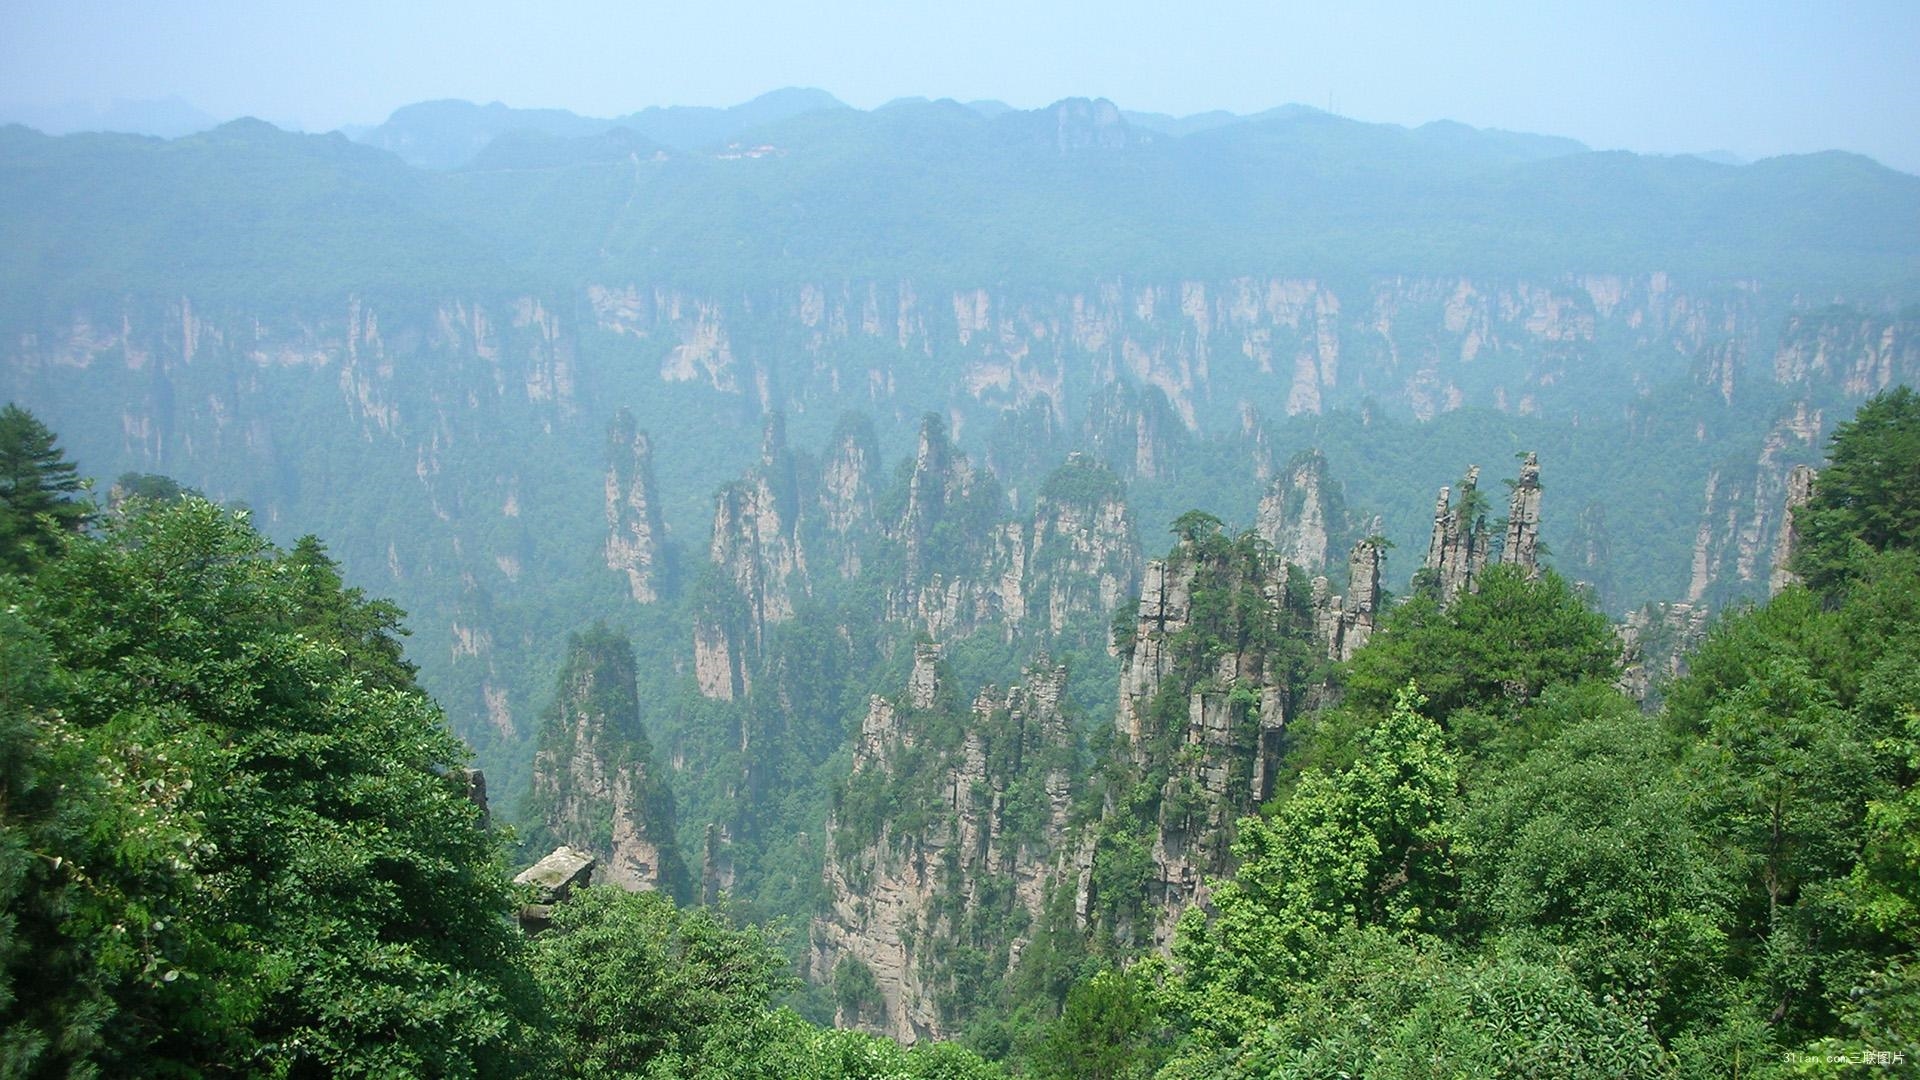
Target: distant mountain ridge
x,y
962,194
448,134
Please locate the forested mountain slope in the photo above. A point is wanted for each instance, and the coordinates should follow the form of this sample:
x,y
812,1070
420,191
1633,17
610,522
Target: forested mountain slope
x,y
779,397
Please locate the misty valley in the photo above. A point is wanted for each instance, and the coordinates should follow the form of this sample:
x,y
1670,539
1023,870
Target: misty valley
x,y
954,591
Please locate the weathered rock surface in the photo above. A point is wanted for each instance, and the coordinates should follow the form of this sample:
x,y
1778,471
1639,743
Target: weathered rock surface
x,y
988,803
1521,545
1302,513
635,534
1786,542
1457,551
1359,611
553,879
1076,558
1655,642
1219,744
1745,507
846,492
556,876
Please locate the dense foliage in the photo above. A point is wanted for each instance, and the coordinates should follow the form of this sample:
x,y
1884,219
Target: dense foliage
x,y
246,838
235,839
37,491
1529,876
1868,494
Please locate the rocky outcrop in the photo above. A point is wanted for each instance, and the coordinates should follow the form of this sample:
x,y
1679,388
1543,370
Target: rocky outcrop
x,y
595,784
1136,432
1786,543
1655,642
940,488
1745,508
721,661
1457,552
756,534
759,562
635,534
455,395
1302,513
1073,562
716,864
1357,613
1205,701
1085,552
979,807
552,880
846,492
1521,545
1166,602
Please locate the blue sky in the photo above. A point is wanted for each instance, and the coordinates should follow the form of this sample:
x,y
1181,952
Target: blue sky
x,y
1685,75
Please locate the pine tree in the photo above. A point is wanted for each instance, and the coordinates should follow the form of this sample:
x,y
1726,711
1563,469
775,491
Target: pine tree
x,y
39,491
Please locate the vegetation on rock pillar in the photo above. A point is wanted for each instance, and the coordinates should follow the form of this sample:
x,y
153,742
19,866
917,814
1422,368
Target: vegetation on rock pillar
x,y
1495,647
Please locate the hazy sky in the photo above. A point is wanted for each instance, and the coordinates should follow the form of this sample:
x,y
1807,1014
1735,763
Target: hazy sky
x,y
1757,78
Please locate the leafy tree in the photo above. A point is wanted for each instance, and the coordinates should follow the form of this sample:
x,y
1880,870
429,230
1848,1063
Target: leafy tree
x,y
1498,646
1105,1032
369,630
1373,845
150,486
39,491
277,875
629,977
1868,496
1783,780
56,1000
1386,1006
1589,849
1196,525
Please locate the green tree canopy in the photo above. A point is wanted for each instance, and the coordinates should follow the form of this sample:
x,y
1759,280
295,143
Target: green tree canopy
x,y
1372,845
39,491
1867,498
277,870
1496,647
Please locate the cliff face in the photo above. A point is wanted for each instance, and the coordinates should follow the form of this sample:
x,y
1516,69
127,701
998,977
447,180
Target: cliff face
x,y
595,784
1786,542
1302,513
1207,687
846,492
1746,507
487,409
635,534
946,837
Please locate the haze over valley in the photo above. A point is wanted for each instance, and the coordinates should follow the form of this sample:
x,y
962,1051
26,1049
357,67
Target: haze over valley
x,y
971,589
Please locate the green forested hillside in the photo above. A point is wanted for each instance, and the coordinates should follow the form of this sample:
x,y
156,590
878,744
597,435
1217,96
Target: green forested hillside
x,y
235,834
236,839
930,191
773,493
